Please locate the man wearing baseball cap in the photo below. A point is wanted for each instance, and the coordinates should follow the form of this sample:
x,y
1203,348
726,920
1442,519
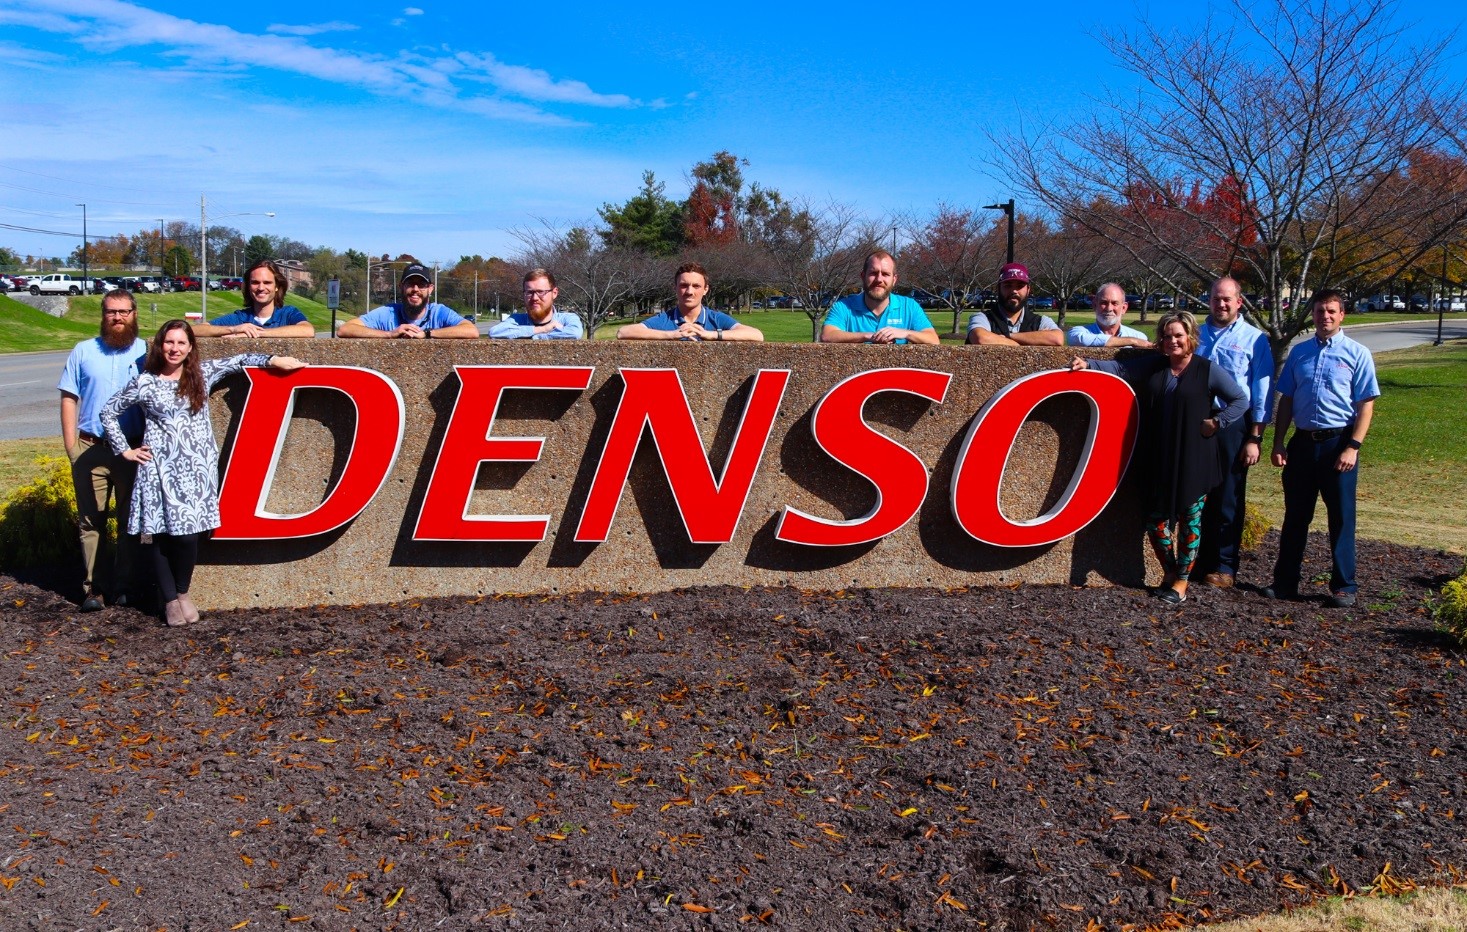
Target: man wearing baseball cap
x,y
1011,324
416,317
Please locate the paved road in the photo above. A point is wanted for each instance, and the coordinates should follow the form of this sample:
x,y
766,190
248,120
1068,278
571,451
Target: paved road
x,y
29,401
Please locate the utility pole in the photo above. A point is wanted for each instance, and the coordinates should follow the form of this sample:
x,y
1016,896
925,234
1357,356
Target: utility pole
x,y
86,275
203,261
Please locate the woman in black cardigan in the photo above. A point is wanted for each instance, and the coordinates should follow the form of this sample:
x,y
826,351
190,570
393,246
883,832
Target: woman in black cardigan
x,y
1178,451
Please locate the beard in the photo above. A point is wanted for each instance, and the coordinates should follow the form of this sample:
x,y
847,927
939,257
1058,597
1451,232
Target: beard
x,y
1107,321
121,335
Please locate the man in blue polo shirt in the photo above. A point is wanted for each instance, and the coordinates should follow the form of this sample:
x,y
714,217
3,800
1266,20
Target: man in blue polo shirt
x,y
1242,351
1110,306
416,317
876,315
688,319
541,319
95,371
265,313
1328,389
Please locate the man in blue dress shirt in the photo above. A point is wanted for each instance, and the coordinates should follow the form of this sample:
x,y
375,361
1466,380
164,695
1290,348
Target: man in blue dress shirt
x,y
541,319
1243,351
96,370
1110,307
1328,390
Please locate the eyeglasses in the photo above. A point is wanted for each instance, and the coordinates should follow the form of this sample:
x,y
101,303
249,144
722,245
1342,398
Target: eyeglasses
x,y
537,292
115,312
421,286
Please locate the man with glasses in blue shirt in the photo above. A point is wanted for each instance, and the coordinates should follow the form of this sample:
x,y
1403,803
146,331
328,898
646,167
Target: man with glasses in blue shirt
x,y
541,319
1328,390
416,317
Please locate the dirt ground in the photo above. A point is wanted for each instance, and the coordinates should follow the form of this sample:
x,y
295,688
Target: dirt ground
x,y
1027,758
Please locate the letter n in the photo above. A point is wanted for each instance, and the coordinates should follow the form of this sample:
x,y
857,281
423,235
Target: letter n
x,y
978,476
261,436
710,508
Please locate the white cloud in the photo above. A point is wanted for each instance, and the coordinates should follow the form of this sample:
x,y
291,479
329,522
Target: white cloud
x,y
534,84
412,11
310,29
449,83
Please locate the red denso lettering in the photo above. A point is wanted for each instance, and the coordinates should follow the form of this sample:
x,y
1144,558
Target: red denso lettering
x,y
467,443
710,508
900,477
261,435
978,475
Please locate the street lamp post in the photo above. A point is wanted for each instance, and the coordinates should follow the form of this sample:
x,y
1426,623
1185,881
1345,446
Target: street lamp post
x,y
1008,208
86,273
204,250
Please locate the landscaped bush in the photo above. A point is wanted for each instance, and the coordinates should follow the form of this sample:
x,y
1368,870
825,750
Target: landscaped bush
x,y
38,521
1451,612
1255,526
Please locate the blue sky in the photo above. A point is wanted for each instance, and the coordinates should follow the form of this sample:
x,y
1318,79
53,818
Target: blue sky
x,y
438,128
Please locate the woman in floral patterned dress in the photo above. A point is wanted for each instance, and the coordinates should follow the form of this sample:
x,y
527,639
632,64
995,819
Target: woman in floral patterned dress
x,y
175,499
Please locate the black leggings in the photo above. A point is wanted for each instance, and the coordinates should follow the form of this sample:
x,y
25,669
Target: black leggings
x,y
173,557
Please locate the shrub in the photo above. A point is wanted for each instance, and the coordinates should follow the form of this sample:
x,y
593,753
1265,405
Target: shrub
x,y
1255,527
1451,611
38,521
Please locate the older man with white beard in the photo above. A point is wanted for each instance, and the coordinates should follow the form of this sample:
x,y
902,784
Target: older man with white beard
x,y
95,371
1110,305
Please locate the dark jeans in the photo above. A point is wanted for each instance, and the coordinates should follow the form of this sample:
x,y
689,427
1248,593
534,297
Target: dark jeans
x,y
1222,519
1310,474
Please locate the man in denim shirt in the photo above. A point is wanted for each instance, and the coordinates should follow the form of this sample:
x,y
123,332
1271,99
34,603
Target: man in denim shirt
x,y
1328,389
1243,351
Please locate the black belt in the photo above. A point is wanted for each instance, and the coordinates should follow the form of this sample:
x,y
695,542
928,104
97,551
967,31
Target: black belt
x,y
1330,434
86,436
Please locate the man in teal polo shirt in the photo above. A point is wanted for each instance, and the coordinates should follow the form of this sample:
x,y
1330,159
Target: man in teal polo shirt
x,y
876,315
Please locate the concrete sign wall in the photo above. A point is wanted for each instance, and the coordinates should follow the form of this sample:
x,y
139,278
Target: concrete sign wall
x,y
407,469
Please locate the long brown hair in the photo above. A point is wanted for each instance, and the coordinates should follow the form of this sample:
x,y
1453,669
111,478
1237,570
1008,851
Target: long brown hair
x,y
191,379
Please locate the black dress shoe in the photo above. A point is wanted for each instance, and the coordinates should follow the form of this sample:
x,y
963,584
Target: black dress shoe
x,y
1269,592
91,604
121,601
1170,596
1340,600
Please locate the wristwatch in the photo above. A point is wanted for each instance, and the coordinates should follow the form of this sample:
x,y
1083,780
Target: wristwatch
x,y
1352,443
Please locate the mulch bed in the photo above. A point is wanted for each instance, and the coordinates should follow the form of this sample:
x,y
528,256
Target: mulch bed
x,y
1026,758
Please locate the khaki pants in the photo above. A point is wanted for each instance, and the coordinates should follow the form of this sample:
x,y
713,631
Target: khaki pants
x,y
98,474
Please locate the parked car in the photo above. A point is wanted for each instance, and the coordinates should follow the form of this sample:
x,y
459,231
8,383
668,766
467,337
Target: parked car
x,y
186,283
1452,304
232,284
1419,302
1381,302
1043,303
101,286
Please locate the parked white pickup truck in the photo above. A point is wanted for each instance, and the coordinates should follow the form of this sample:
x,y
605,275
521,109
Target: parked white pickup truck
x,y
57,284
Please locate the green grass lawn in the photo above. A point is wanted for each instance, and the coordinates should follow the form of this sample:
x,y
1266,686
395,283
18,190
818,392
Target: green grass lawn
x,y
24,329
154,309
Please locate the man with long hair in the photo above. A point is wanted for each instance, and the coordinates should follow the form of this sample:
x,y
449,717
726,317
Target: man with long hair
x,y
96,370
265,313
